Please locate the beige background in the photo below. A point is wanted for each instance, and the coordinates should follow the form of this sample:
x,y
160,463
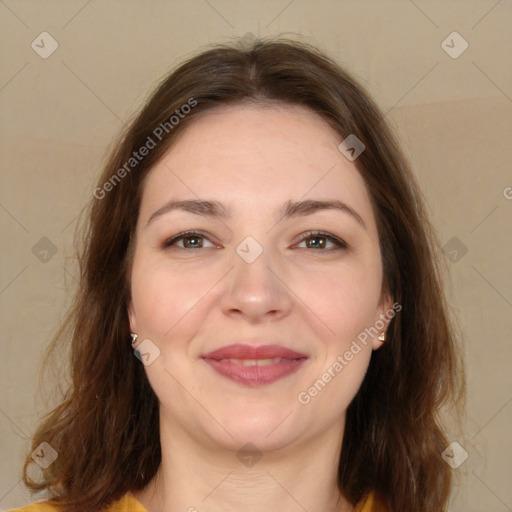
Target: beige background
x,y
454,116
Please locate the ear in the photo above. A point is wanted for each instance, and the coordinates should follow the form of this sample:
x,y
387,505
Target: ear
x,y
385,313
132,317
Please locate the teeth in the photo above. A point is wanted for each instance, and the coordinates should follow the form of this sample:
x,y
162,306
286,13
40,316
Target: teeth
x,y
255,362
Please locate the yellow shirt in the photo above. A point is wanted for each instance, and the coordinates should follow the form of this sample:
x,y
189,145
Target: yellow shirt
x,y
128,503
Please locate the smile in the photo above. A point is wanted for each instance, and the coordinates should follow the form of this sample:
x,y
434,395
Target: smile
x,y
255,366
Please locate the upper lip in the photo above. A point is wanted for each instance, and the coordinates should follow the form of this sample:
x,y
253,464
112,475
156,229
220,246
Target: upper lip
x,y
243,351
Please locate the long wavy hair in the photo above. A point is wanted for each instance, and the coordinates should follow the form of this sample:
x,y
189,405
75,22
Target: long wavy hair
x,y
106,426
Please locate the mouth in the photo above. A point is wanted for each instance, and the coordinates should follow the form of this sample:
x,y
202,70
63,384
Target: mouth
x,y
255,366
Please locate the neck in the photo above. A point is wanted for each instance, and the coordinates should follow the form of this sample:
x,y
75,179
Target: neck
x,y
195,477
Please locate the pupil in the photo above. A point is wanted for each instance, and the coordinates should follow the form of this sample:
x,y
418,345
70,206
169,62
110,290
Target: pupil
x,y
321,242
188,243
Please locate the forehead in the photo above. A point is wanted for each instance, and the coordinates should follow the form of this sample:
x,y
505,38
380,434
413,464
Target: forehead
x,y
257,156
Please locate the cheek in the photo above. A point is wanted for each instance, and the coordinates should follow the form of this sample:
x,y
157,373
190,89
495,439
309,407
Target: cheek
x,y
344,299
333,390
163,296
169,311
345,303
160,297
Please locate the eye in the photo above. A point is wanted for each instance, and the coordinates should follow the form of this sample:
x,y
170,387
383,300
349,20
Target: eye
x,y
191,240
318,240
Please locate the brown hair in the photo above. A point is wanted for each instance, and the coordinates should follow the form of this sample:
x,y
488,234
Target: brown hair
x,y
106,428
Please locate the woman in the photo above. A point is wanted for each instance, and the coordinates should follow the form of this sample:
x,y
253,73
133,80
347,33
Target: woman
x,y
260,323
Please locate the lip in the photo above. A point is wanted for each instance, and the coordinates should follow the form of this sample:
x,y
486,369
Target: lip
x,y
244,371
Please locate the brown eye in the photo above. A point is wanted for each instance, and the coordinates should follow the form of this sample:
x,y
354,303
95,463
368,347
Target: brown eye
x,y
191,240
318,240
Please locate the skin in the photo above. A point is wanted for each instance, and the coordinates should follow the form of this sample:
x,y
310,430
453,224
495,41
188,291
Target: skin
x,y
310,299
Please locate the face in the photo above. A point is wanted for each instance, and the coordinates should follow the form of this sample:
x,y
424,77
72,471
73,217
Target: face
x,y
286,290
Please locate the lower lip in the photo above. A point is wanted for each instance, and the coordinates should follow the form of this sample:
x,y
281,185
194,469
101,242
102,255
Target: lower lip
x,y
256,375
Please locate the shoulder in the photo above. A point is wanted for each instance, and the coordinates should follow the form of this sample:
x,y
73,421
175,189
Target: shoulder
x,y
127,503
372,502
36,507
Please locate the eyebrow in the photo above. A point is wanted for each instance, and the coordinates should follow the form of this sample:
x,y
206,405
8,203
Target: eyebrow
x,y
290,209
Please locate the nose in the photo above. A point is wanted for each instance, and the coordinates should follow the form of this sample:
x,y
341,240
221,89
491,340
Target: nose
x,y
256,291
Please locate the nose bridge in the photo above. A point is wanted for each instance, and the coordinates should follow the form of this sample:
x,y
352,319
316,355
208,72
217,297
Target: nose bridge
x,y
255,289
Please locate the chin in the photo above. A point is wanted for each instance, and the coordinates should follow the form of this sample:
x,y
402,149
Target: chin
x,y
245,440
268,429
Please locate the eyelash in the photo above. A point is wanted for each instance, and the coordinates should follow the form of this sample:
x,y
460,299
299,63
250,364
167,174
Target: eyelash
x,y
170,242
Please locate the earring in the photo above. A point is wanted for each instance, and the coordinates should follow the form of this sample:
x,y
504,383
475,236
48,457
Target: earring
x,y
382,336
134,338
